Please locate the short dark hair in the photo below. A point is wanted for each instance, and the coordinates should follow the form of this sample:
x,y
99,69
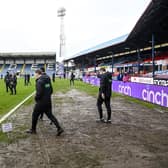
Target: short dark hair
x,y
103,69
42,69
38,71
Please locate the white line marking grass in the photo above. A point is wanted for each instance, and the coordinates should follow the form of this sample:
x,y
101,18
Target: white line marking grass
x,y
15,108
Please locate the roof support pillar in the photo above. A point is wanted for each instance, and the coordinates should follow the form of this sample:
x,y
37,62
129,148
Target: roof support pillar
x,y
112,62
83,65
153,55
95,64
139,57
56,63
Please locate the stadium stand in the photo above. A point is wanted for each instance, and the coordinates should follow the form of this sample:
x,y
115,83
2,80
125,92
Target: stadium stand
x,y
19,68
22,63
143,50
50,69
5,69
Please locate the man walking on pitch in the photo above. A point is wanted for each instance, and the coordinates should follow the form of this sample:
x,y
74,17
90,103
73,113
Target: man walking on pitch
x,y
72,77
43,102
13,83
43,73
104,95
7,80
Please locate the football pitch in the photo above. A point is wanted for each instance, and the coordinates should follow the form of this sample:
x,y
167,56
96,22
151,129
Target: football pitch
x,y
137,133
7,101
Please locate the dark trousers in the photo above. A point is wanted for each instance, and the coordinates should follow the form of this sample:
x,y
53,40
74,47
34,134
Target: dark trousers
x,y
71,82
13,89
25,82
7,87
39,109
107,104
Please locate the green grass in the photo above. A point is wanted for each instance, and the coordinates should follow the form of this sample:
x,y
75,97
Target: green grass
x,y
7,101
14,136
90,89
4,137
143,103
61,85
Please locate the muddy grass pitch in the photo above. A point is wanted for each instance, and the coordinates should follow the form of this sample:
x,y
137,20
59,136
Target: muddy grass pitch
x,y
137,137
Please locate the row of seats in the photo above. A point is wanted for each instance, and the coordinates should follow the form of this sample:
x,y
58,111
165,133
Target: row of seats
x,y
25,68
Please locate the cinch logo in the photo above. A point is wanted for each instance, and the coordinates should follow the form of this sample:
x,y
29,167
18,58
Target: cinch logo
x,y
155,97
124,89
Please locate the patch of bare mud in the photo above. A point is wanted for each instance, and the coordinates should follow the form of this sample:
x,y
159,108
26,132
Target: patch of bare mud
x,y
137,137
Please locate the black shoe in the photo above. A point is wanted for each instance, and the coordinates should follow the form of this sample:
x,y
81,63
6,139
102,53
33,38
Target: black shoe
x,y
101,120
31,131
108,121
60,131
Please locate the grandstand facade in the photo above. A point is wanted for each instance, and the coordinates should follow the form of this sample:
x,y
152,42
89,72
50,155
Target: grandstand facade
x,y
23,63
144,51
142,54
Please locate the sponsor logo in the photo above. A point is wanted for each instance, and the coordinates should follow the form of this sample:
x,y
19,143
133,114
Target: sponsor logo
x,y
161,82
160,98
47,85
142,80
124,89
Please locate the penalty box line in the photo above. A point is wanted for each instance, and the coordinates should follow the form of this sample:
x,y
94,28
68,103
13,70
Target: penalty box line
x,y
15,108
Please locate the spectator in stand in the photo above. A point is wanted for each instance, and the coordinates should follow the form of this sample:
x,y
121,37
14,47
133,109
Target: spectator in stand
x,y
126,77
120,76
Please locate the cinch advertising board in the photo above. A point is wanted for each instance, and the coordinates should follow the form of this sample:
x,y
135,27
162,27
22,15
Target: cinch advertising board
x,y
147,92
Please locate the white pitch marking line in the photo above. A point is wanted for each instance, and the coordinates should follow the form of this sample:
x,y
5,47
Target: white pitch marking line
x,y
15,108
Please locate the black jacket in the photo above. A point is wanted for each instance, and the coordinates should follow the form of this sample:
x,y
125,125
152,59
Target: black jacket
x,y
43,90
13,81
72,76
105,84
7,79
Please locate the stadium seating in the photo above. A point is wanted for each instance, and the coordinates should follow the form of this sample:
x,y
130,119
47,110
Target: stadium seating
x,y
28,69
4,69
50,69
19,68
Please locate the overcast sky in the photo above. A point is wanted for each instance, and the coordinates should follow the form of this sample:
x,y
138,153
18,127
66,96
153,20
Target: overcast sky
x,y
33,25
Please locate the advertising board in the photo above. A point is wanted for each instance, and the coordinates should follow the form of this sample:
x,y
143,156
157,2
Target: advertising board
x,y
147,92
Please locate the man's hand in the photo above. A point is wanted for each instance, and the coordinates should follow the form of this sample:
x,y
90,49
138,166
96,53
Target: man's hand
x,y
103,96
